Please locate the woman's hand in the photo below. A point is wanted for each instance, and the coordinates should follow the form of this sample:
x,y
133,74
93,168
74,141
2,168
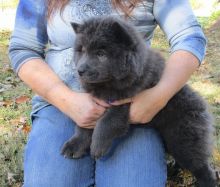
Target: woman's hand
x,y
145,105
85,109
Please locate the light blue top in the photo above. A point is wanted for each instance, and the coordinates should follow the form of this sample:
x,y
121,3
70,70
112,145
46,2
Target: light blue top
x,y
32,32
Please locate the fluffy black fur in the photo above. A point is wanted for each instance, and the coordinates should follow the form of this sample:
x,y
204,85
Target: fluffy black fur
x,y
113,63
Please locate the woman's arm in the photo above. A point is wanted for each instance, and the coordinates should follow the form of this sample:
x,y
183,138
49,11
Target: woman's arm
x,y
81,107
148,103
29,38
187,46
179,67
182,30
26,52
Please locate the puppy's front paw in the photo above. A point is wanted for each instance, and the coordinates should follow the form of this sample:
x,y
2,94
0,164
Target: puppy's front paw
x,y
98,150
73,149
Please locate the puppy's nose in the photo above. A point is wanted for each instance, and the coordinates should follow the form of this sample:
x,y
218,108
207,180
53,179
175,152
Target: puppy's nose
x,y
81,72
82,69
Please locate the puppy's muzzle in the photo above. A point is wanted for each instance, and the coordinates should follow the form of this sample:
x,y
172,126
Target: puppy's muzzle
x,y
82,69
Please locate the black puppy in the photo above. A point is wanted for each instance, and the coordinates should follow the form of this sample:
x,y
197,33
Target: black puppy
x,y
114,63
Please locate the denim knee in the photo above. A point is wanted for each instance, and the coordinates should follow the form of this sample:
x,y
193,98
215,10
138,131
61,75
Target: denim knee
x,y
138,160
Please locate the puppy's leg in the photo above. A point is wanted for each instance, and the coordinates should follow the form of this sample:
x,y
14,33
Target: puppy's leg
x,y
79,144
189,142
112,125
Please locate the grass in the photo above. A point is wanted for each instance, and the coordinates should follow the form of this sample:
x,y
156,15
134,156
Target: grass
x,y
4,37
207,22
196,4
14,122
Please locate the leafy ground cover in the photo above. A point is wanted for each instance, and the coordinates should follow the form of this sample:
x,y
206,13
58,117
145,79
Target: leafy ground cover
x,y
14,119
15,106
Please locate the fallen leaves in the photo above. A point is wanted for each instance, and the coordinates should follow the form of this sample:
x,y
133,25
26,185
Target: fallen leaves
x,y
22,124
5,103
22,99
19,100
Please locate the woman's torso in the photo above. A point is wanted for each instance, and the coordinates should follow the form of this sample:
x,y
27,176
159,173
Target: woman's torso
x,y
59,54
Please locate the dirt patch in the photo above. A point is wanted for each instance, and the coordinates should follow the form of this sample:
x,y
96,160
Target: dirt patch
x,y
215,26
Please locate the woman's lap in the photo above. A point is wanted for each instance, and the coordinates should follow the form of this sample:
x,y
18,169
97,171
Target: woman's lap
x,y
135,160
44,165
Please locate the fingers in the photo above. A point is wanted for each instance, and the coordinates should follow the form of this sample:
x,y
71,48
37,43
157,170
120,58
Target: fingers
x,y
88,123
101,102
99,110
89,126
122,101
92,116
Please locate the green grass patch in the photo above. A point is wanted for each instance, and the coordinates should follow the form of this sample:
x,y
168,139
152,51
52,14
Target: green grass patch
x,y
11,157
14,120
4,37
206,22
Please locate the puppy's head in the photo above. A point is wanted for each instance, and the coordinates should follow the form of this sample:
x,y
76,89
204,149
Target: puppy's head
x,y
104,50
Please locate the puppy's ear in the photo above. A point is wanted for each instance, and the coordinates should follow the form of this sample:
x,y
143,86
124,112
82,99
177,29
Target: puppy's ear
x,y
121,34
76,27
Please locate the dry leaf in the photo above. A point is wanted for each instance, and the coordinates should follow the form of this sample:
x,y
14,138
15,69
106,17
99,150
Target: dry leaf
x,y
22,99
26,128
5,103
22,124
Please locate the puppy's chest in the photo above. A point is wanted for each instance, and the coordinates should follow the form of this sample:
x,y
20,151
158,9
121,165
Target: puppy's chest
x,y
112,94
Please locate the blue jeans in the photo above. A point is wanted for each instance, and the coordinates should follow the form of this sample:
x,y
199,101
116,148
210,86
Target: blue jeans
x,y
136,160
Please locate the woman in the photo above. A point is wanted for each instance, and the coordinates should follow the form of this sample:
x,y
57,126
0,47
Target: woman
x,y
138,158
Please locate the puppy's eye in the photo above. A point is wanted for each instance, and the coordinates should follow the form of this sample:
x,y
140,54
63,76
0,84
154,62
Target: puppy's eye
x,y
100,54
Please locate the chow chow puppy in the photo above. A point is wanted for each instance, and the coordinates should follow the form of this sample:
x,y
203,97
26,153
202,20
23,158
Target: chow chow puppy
x,y
114,63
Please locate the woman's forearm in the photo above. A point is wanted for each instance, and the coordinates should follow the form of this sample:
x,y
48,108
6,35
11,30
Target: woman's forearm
x,y
149,102
84,109
41,79
179,67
